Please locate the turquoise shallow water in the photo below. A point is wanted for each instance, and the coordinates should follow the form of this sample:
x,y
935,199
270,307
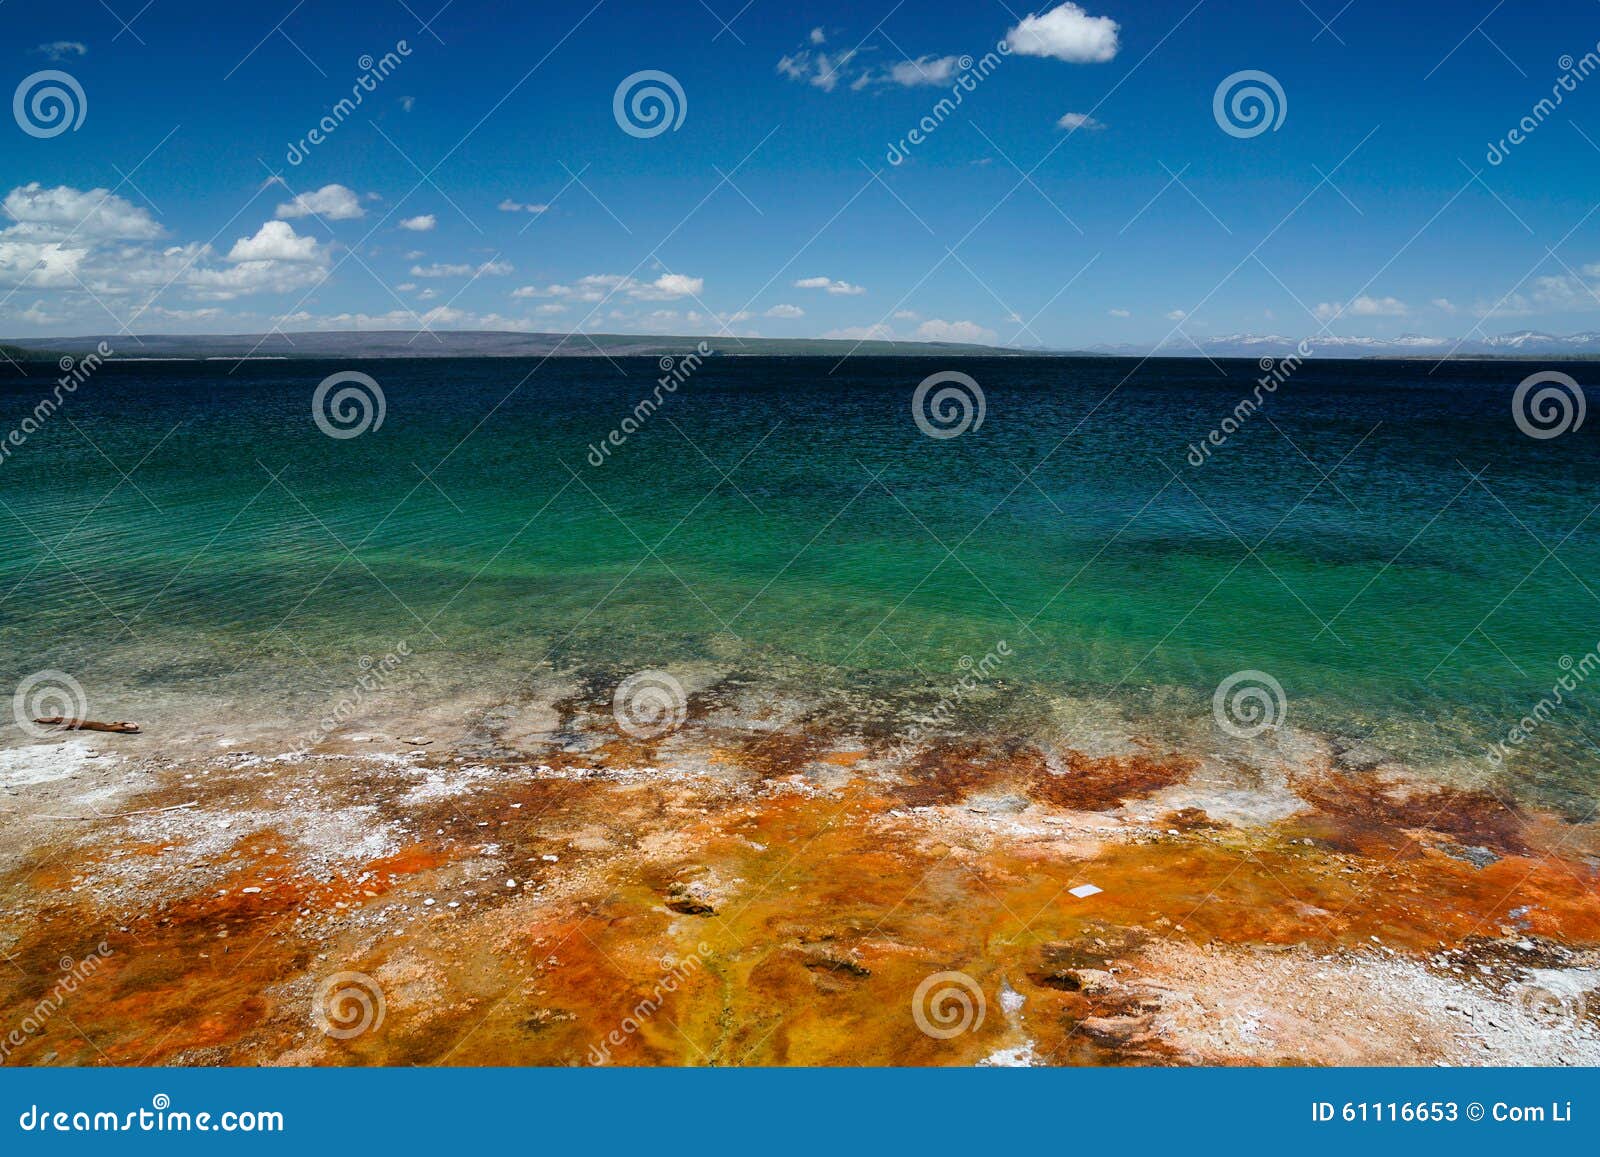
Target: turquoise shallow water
x,y
788,517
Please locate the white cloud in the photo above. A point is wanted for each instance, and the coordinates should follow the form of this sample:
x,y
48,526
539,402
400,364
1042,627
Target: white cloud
x,y
487,269
1177,315
211,313
407,103
1079,120
1445,305
1563,293
421,224
1066,33
668,286
1380,307
820,69
71,243
510,206
841,288
496,321
789,311
275,241
334,202
43,265
818,36
923,70
1553,294
61,49
439,315
597,287
964,331
63,213
827,71
438,269
275,260
1119,313
907,315
35,315
1364,306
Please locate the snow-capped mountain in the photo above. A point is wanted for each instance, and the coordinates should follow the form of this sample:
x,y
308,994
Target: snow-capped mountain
x,y
1240,345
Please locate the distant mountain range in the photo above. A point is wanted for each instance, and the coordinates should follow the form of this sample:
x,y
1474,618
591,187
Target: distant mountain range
x,y
475,344
1527,343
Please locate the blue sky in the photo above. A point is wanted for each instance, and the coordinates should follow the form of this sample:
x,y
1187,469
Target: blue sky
x,y
486,181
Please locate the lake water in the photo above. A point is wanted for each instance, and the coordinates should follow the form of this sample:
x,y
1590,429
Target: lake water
x,y
1379,537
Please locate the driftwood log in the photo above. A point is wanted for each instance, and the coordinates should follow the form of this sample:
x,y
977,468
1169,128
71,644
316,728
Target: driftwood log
x,y
66,724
